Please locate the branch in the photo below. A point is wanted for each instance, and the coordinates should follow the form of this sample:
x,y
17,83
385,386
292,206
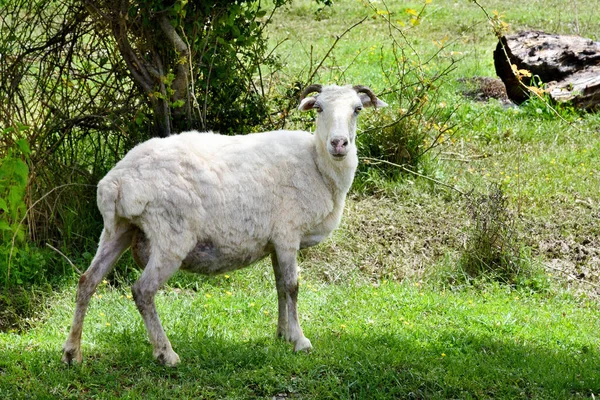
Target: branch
x,y
66,258
12,247
172,35
138,69
337,39
403,168
180,83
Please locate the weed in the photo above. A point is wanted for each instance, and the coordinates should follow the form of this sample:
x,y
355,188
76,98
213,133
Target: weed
x,y
492,246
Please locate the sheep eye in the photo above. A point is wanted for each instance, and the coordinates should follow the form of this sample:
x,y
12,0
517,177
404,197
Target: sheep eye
x,y
318,108
357,109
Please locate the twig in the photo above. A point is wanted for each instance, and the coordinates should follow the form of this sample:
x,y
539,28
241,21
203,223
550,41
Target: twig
x,y
65,257
575,278
192,92
465,160
337,39
204,109
403,168
464,157
313,72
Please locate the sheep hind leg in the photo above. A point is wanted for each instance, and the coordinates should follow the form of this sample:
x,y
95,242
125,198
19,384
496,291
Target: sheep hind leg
x,y
110,248
286,278
159,269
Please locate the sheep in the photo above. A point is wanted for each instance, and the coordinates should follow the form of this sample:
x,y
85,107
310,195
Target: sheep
x,y
209,204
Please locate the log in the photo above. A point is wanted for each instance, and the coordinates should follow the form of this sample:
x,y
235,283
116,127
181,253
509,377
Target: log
x,y
569,67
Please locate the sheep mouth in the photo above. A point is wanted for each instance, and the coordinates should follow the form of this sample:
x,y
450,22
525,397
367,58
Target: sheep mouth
x,y
338,156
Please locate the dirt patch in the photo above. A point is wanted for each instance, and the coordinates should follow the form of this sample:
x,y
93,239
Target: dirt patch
x,y
569,245
483,88
19,308
405,237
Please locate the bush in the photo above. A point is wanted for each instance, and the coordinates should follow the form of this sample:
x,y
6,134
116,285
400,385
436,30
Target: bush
x,y
398,138
71,80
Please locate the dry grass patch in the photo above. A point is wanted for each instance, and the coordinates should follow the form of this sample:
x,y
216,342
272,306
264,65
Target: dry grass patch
x,y
395,238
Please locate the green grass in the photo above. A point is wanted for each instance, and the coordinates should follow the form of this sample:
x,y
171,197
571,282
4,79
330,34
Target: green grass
x,y
371,341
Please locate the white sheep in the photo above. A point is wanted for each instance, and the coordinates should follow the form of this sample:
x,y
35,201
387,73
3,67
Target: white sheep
x,y
208,203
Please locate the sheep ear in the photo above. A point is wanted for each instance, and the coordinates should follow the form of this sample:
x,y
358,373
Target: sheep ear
x,y
307,104
366,101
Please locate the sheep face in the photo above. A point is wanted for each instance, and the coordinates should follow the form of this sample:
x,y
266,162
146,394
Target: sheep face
x,y
337,110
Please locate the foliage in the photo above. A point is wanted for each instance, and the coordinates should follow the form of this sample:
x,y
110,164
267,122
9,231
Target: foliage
x,y
21,263
97,77
14,174
195,62
65,82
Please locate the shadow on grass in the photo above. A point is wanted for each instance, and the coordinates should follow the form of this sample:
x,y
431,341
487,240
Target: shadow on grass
x,y
459,365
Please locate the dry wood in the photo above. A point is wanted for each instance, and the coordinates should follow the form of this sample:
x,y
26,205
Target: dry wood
x,y
568,65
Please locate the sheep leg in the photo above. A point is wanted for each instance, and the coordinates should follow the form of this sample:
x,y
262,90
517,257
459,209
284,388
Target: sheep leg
x,y
109,250
282,320
286,279
159,269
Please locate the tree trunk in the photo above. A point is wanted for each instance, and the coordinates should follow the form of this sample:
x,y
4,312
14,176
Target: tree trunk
x,y
569,66
150,58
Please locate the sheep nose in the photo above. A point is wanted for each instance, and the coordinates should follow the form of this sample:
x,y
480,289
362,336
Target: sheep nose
x,y
339,144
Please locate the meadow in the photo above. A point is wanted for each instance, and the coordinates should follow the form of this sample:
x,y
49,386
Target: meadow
x,y
387,302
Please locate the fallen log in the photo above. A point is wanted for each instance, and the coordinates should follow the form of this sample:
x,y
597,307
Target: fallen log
x,y
568,66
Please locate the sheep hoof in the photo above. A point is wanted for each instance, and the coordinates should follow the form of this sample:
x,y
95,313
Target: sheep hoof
x,y
169,359
72,356
302,344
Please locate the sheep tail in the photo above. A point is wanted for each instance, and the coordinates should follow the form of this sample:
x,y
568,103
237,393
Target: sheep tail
x,y
107,198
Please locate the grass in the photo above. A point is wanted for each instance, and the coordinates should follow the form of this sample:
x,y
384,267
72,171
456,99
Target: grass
x,y
381,341
383,302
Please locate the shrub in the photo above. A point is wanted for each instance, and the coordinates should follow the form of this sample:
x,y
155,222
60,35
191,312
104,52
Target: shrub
x,y
397,139
493,247
77,80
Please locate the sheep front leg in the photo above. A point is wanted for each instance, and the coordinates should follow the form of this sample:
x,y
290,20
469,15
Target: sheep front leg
x,y
286,280
159,269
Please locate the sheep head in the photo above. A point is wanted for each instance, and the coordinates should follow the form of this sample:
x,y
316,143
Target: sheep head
x,y
338,108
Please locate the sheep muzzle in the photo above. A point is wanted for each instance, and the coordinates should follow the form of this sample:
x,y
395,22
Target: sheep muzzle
x,y
338,147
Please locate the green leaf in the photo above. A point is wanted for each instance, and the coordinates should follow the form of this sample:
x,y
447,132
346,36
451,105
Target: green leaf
x,y
15,201
20,171
22,127
261,13
24,146
3,205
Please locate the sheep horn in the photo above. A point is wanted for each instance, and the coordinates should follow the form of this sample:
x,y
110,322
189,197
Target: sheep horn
x,y
310,89
366,90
